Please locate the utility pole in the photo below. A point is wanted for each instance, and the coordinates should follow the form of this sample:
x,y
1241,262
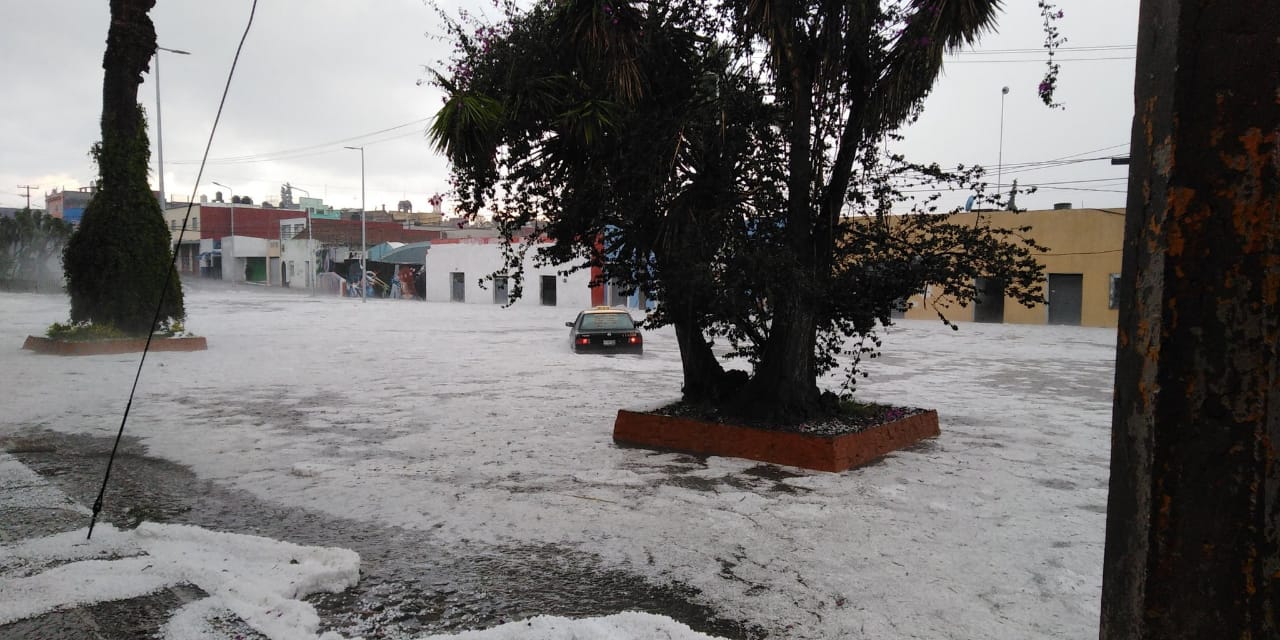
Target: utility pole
x,y
28,188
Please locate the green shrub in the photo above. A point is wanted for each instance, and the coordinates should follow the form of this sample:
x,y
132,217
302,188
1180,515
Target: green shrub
x,y
84,332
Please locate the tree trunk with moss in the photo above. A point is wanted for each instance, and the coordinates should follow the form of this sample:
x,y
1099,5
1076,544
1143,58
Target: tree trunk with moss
x,y
117,262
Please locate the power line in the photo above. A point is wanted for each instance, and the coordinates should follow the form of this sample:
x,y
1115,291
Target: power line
x,y
1103,47
270,155
1041,60
309,154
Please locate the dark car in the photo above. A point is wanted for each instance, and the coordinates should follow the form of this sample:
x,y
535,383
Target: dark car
x,y
605,330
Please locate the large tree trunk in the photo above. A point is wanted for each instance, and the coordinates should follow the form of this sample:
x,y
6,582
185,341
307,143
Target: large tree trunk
x,y
131,41
705,380
784,386
1194,507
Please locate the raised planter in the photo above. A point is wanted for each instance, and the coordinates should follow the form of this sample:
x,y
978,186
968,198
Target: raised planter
x,y
101,347
823,453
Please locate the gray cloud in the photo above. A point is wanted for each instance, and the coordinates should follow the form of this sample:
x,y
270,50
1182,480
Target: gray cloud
x,y
315,71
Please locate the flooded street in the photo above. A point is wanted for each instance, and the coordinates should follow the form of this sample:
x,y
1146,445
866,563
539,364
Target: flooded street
x,y
411,583
466,455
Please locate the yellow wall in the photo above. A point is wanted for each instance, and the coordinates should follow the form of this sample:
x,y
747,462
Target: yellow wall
x,y
173,219
1083,241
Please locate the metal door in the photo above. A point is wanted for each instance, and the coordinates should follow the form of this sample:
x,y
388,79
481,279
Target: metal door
x,y
1066,297
458,290
500,295
549,291
989,305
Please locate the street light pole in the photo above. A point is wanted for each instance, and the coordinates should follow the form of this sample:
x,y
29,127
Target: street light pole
x,y
364,286
233,206
164,198
311,252
1004,91
233,224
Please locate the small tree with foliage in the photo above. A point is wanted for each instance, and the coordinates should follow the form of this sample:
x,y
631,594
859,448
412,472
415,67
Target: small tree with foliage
x,y
28,241
118,260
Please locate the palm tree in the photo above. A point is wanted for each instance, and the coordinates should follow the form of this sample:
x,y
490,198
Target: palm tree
x,y
610,120
843,78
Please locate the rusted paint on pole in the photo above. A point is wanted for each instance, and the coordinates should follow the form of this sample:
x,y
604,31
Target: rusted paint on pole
x,y
1191,544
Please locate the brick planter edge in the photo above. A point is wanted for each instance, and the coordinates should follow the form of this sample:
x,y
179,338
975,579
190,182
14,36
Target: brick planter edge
x,y
102,347
821,453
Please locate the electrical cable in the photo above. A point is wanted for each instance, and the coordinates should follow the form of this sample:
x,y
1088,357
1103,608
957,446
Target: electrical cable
x,y
97,503
1041,60
271,155
307,154
1101,47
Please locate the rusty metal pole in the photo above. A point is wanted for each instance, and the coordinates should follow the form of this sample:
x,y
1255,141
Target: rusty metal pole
x,y
1191,542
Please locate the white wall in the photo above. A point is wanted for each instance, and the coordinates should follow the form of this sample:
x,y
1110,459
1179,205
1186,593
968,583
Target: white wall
x,y
477,259
235,249
300,254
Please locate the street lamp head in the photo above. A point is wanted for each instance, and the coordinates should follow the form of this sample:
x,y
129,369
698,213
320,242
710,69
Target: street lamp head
x,y
177,51
1004,91
355,148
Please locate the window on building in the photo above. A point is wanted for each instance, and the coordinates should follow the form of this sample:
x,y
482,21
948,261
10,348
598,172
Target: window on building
x,y
195,224
173,225
1113,291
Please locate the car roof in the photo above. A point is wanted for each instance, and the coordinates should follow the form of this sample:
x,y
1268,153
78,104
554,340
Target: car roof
x,y
606,310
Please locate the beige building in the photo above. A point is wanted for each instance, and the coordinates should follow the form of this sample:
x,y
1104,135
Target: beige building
x,y
1082,271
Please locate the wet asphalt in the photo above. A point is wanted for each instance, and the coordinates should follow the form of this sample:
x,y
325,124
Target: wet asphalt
x,y
411,583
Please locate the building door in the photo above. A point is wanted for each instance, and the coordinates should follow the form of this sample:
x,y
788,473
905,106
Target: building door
x,y
458,286
617,297
549,291
1066,296
500,295
989,305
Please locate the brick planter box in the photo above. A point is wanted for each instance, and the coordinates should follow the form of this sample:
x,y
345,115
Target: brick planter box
x,y
101,347
822,453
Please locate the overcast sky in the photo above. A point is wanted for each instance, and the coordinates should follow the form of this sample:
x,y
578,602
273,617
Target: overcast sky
x,y
316,75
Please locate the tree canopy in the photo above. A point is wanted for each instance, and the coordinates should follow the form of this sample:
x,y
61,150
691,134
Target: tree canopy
x,y
727,161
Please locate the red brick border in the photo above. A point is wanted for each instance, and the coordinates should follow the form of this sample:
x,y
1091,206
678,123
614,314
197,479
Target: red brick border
x,y
101,347
822,453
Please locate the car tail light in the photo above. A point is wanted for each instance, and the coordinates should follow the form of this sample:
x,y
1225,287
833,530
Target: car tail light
x,y
634,339
584,340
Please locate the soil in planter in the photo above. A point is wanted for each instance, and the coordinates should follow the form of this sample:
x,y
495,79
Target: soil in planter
x,y
852,418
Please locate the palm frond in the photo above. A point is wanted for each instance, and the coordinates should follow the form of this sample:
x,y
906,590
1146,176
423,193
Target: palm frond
x,y
914,62
466,127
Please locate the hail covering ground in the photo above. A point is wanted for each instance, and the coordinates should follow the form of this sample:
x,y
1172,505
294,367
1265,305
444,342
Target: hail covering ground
x,y
479,423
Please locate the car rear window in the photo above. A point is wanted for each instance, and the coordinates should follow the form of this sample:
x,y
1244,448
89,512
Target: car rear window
x,y
607,321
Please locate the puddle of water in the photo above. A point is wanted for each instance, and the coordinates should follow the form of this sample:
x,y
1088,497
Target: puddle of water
x,y
411,583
